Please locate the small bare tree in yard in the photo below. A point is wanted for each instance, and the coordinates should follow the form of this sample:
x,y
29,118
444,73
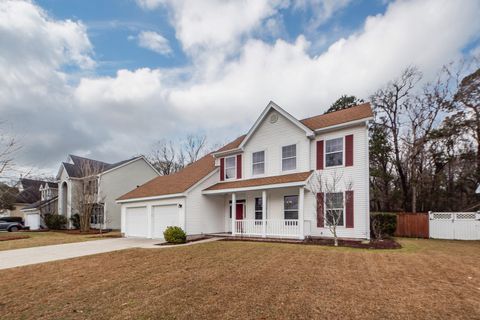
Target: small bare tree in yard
x,y
332,192
86,193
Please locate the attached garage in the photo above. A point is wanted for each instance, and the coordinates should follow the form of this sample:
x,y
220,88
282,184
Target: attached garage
x,y
136,222
149,219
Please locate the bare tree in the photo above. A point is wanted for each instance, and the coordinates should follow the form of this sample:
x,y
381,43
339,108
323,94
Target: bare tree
x,y
86,195
194,147
390,102
332,194
8,147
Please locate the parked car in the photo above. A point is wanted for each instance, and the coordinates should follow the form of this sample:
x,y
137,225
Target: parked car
x,y
9,225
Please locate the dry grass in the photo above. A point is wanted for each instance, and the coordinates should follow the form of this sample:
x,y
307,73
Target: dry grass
x,y
36,239
428,279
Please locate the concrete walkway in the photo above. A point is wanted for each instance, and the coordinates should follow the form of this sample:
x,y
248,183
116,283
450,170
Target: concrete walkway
x,y
27,256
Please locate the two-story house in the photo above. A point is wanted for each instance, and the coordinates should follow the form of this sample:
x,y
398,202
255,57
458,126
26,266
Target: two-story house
x,y
87,182
260,184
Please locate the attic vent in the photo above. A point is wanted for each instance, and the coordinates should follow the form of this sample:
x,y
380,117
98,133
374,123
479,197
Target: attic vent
x,y
273,118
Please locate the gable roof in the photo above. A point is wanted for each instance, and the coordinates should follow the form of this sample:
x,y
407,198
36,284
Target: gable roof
x,y
178,182
272,105
40,203
74,170
322,121
31,190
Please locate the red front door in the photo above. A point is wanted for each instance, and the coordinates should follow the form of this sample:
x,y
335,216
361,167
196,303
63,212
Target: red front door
x,y
239,211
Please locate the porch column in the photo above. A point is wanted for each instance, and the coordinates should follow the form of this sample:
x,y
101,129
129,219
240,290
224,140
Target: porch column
x,y
234,212
301,196
264,213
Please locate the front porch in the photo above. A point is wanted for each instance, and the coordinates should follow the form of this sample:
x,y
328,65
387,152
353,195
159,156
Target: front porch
x,y
282,216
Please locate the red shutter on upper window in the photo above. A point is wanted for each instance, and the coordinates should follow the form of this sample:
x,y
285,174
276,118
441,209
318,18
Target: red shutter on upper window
x,y
222,169
349,150
320,155
320,210
239,166
349,209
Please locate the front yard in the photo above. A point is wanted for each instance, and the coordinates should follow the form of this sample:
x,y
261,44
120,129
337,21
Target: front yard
x,y
427,279
36,239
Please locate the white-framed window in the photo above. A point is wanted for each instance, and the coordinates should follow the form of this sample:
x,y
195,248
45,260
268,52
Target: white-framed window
x,y
334,209
289,157
258,162
290,207
258,208
230,167
334,152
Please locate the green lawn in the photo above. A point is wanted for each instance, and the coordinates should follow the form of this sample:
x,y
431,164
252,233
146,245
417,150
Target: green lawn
x,y
427,279
41,239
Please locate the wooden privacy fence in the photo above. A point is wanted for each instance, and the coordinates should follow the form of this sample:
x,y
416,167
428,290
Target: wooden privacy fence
x,y
414,225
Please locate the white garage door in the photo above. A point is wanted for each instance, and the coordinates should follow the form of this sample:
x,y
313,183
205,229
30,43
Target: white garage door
x,y
32,220
136,222
163,217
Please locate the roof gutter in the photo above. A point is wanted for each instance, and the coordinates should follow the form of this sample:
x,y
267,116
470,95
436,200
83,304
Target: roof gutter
x,y
166,196
227,152
344,125
254,188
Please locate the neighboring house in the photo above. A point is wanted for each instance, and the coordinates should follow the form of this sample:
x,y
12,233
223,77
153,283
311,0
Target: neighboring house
x,y
81,179
48,204
258,185
30,192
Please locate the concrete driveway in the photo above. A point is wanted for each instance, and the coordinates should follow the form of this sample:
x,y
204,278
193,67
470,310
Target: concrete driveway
x,y
26,256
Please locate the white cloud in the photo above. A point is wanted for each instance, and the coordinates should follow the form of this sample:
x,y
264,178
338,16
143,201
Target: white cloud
x,y
121,115
154,41
321,10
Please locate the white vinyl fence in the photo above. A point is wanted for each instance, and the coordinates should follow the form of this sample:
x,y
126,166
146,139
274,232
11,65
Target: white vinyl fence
x,y
455,225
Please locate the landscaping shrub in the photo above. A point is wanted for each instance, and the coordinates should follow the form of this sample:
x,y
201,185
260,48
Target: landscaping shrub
x,y
55,221
383,225
75,219
175,235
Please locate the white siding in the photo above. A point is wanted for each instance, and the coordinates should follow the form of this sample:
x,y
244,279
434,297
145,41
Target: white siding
x,y
204,212
117,182
358,175
271,137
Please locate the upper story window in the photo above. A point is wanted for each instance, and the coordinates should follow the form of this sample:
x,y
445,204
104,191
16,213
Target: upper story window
x,y
289,157
334,152
230,168
258,162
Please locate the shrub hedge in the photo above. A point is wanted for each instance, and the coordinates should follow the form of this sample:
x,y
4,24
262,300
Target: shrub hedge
x,y
382,225
175,235
55,221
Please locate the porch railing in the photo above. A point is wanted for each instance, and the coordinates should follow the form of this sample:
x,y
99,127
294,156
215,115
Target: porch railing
x,y
273,227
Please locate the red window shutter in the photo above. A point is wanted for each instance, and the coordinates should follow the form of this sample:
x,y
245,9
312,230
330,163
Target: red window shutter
x,y
239,166
222,169
320,210
349,209
349,150
320,155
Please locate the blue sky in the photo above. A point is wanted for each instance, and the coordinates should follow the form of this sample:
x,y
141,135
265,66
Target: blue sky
x,y
111,23
109,79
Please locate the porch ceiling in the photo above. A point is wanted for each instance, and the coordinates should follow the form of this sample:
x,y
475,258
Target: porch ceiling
x,y
287,180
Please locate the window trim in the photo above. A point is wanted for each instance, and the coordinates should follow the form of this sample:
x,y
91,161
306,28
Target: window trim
x,y
234,168
343,210
255,209
296,157
264,163
325,153
284,210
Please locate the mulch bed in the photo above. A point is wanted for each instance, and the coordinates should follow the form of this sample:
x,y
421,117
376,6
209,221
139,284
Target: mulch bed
x,y
107,236
14,237
76,231
174,244
373,244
